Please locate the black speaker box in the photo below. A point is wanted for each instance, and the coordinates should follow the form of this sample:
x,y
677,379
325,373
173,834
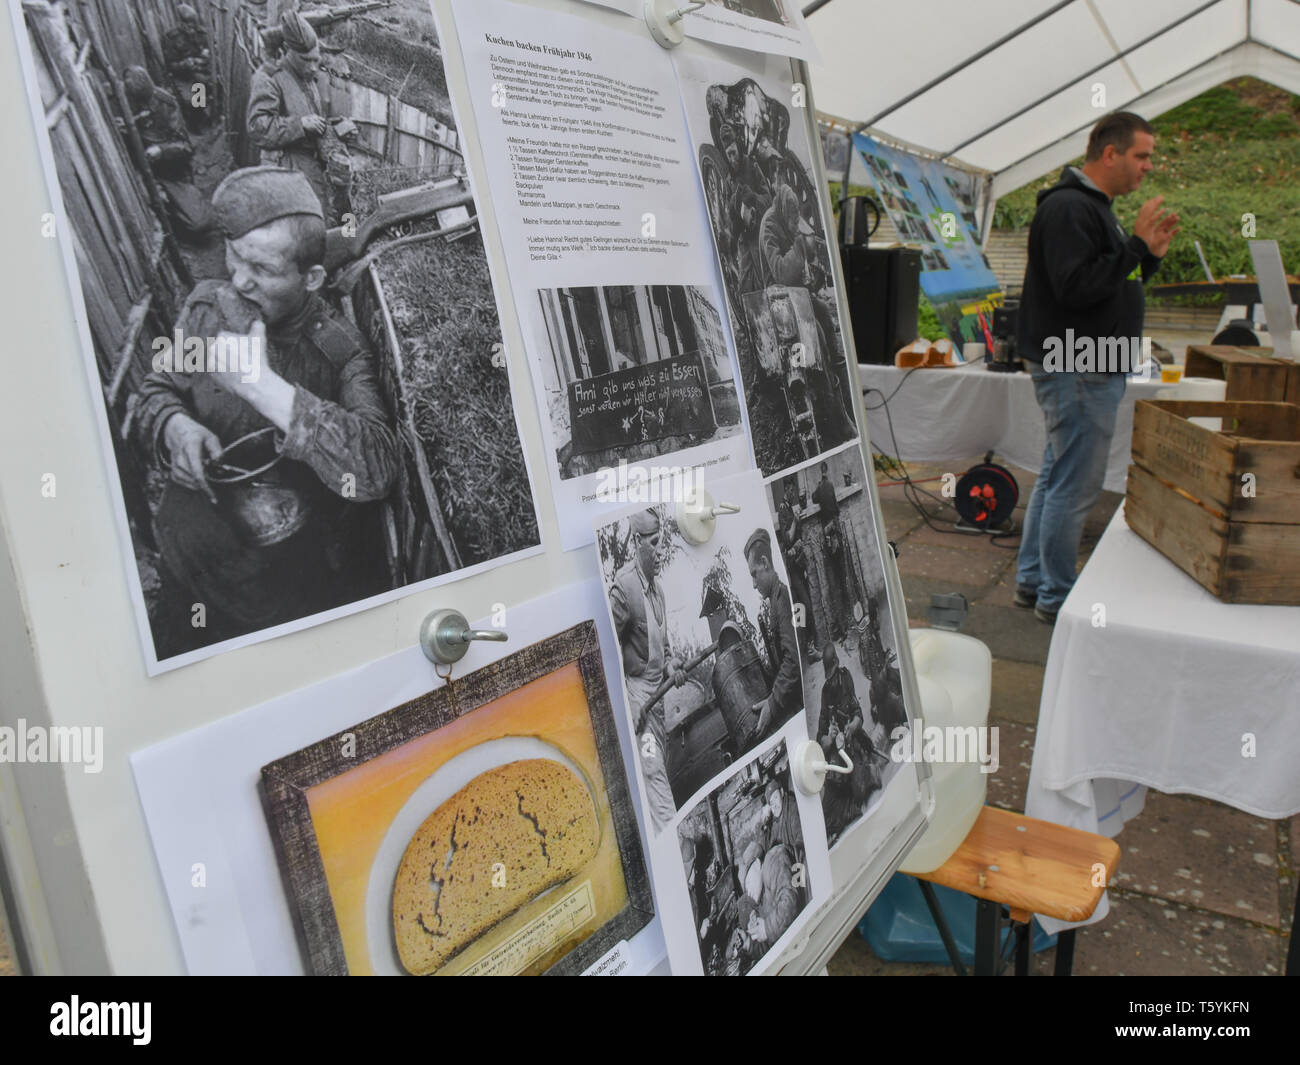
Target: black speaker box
x,y
883,287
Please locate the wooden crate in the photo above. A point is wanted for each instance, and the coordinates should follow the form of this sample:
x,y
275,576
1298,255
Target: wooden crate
x,y
1250,373
1222,506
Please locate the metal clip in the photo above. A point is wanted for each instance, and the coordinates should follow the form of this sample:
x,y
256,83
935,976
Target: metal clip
x,y
810,766
445,636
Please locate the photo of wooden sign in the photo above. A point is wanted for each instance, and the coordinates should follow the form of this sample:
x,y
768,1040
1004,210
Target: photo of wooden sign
x,y
669,397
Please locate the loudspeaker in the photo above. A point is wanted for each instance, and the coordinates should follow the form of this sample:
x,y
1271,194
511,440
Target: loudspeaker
x,y
883,289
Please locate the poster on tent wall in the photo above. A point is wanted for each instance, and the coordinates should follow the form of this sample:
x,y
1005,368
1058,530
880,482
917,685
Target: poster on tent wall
x,y
933,206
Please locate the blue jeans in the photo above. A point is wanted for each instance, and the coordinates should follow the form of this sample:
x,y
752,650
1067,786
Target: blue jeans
x,y
1079,412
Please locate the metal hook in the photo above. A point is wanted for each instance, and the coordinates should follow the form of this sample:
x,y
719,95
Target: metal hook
x,y
445,636
664,18
810,766
697,514
682,12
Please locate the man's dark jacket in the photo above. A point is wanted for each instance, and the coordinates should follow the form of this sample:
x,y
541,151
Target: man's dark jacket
x,y
1082,272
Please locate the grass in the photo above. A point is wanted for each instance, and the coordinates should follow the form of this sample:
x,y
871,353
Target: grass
x,y
1224,158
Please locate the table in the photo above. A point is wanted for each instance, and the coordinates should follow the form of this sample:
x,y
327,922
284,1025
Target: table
x,y
950,415
1152,682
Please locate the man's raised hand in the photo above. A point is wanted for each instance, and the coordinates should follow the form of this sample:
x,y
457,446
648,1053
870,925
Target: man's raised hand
x,y
1147,225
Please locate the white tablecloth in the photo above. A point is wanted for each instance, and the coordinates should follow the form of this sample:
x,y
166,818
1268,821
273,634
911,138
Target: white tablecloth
x,y
1175,691
949,415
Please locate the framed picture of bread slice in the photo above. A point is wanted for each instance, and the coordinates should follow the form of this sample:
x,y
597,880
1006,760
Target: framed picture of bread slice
x,y
484,828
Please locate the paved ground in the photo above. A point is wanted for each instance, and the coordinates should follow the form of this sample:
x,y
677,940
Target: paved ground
x,y
1202,888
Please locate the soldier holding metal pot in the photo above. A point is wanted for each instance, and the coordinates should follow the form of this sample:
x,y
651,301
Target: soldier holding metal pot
x,y
288,539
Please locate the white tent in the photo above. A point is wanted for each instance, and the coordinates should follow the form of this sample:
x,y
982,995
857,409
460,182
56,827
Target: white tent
x,y
1011,86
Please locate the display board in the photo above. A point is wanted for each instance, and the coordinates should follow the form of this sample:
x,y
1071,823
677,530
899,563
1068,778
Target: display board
x,y
87,892
934,206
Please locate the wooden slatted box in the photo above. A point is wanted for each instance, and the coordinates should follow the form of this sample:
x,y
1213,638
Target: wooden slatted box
x,y
1250,373
1222,506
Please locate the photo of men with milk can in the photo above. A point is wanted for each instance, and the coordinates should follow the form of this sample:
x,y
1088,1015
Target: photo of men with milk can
x,y
707,640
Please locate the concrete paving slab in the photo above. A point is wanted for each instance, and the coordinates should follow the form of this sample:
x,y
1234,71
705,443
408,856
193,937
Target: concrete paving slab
x,y
1151,937
1010,632
1017,691
1007,786
1204,854
955,565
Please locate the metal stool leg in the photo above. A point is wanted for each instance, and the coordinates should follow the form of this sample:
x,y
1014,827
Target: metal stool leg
x,y
941,923
1022,948
988,918
1293,951
1064,953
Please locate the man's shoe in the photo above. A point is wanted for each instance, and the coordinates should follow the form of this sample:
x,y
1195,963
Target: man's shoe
x,y
1026,597
1047,617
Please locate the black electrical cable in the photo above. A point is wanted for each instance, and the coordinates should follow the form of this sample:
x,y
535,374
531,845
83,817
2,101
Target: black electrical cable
x,y
897,470
884,401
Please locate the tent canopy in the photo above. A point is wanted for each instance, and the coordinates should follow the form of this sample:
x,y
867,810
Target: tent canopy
x,y
1013,86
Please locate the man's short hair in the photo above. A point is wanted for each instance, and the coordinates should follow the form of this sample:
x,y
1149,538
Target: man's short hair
x,y
308,240
825,468
1118,129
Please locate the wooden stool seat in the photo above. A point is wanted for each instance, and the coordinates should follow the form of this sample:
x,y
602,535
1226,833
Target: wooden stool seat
x,y
1029,866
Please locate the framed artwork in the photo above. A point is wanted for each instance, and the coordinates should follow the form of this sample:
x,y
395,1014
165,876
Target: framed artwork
x,y
484,828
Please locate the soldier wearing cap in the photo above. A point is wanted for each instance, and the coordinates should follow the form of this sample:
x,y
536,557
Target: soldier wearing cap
x,y
187,51
315,382
288,118
786,696
641,624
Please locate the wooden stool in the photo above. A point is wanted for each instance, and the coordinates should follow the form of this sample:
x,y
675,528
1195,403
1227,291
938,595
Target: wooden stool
x,y
1028,866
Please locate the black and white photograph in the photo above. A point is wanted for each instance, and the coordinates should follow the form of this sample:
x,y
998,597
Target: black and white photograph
x,y
743,852
852,688
835,150
708,647
767,10
755,166
285,306
634,372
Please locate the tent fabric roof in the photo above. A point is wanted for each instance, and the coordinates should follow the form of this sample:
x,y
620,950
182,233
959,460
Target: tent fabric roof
x,y
1012,86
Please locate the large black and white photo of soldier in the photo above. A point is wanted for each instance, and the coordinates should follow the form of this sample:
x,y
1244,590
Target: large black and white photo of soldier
x,y
635,372
287,303
743,852
706,635
764,208
852,688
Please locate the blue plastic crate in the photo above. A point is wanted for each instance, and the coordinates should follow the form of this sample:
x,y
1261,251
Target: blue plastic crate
x,y
899,927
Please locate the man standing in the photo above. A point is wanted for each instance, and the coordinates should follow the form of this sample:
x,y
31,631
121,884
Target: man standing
x,y
1083,281
786,696
640,622
792,550
828,510
287,119
315,383
187,51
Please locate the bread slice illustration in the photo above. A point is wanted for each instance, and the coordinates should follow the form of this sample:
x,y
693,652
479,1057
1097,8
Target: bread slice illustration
x,y
499,842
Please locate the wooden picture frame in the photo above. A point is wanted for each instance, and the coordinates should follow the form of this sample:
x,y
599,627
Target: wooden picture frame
x,y
286,781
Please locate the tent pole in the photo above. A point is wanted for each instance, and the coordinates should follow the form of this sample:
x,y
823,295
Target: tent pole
x,y
964,64
1135,101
